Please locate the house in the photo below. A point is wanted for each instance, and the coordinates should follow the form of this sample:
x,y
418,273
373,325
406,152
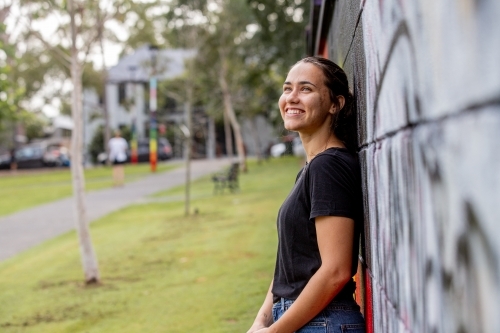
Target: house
x,y
128,97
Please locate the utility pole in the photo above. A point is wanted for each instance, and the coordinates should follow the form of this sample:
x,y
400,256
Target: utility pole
x,y
152,108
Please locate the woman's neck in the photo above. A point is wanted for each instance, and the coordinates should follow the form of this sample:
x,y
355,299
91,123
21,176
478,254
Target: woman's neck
x,y
316,144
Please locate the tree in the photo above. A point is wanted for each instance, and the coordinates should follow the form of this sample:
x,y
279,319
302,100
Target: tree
x,y
80,25
217,25
190,41
13,92
279,39
9,92
245,49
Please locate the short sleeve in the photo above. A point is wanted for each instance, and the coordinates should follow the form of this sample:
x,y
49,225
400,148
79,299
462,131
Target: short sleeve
x,y
332,187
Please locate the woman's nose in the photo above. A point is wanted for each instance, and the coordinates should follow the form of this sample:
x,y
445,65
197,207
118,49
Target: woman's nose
x,y
292,97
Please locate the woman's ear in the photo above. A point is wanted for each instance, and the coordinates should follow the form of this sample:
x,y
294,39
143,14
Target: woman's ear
x,y
341,101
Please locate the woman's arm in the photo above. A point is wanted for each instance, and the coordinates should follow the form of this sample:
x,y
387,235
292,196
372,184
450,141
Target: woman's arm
x,y
335,241
264,316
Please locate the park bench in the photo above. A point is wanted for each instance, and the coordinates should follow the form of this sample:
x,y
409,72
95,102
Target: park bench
x,y
228,179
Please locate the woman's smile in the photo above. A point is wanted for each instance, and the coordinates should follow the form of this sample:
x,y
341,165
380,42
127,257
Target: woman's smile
x,y
293,112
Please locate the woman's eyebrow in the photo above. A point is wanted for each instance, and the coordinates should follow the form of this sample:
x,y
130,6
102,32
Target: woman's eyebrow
x,y
301,83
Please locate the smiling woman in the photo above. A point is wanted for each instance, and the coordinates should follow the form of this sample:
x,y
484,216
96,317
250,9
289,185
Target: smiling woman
x,y
320,221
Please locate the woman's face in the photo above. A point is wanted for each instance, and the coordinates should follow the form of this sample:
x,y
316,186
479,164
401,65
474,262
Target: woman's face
x,y
305,104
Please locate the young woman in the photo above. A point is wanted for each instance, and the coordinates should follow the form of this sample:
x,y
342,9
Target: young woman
x,y
118,156
320,220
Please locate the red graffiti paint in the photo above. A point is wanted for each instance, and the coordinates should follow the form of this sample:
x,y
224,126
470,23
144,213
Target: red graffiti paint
x,y
368,302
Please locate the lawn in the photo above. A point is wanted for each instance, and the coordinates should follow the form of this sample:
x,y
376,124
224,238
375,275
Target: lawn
x,y
27,189
161,271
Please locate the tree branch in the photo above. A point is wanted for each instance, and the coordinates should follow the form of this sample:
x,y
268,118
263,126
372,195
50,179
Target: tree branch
x,y
58,53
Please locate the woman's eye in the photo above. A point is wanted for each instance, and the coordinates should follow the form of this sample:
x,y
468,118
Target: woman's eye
x,y
306,89
287,89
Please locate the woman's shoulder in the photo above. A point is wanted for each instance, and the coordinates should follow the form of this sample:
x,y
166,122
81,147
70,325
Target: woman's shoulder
x,y
337,165
334,156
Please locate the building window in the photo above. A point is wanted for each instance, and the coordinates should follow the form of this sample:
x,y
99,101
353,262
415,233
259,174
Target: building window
x,y
122,93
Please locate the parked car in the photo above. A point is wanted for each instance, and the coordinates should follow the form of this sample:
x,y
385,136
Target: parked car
x,y
30,156
38,155
164,150
5,161
278,149
56,155
298,148
283,148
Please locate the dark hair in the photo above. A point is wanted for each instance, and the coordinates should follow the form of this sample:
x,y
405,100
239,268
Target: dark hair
x,y
344,120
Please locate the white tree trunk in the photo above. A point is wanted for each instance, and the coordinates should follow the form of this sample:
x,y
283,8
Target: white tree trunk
x,y
189,143
89,261
229,135
228,106
255,136
107,131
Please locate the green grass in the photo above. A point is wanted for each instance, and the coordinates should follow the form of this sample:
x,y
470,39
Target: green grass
x,y
161,271
27,189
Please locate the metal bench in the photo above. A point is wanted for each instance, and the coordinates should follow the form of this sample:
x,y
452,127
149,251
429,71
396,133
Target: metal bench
x,y
228,179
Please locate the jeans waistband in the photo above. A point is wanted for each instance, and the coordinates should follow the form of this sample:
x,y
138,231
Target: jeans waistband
x,y
284,303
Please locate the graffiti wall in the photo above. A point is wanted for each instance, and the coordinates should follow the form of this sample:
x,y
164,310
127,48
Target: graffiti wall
x,y
426,76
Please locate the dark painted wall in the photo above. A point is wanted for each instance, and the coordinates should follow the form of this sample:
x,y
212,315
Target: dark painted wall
x,y
426,75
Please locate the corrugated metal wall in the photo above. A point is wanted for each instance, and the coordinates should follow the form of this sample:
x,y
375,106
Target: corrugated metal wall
x,y
427,79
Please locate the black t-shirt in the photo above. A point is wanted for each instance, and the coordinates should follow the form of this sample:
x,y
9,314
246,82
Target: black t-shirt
x,y
330,185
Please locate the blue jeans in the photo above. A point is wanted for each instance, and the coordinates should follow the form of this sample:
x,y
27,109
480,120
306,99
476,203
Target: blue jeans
x,y
338,317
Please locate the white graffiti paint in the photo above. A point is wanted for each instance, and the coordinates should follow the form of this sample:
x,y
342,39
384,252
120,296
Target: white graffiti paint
x,y
431,160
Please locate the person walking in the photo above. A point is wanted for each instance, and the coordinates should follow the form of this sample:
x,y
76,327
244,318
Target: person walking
x,y
319,222
118,156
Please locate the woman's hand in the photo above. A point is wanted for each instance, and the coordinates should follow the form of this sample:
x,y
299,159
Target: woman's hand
x,y
256,328
264,316
263,330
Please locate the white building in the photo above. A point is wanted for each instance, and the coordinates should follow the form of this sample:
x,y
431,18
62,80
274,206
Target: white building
x,y
127,101
126,96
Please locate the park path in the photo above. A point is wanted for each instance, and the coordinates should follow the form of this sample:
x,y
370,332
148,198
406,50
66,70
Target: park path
x,y
27,228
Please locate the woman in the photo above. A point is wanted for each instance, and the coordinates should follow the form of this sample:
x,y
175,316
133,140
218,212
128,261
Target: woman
x,y
320,220
118,156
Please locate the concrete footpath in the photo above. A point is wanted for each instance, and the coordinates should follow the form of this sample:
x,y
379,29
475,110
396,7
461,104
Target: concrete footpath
x,y
22,230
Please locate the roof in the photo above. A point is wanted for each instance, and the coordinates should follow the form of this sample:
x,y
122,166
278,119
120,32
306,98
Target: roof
x,y
136,67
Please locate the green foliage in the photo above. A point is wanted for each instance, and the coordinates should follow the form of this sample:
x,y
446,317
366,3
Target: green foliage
x,y
34,125
96,145
280,39
161,271
7,107
145,28
10,92
259,40
94,79
126,132
46,61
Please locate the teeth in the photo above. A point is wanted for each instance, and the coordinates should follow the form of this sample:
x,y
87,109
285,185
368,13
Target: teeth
x,y
293,111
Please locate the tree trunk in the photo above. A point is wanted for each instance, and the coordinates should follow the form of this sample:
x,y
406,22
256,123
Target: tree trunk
x,y
189,141
228,105
255,136
229,135
210,138
89,261
107,132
